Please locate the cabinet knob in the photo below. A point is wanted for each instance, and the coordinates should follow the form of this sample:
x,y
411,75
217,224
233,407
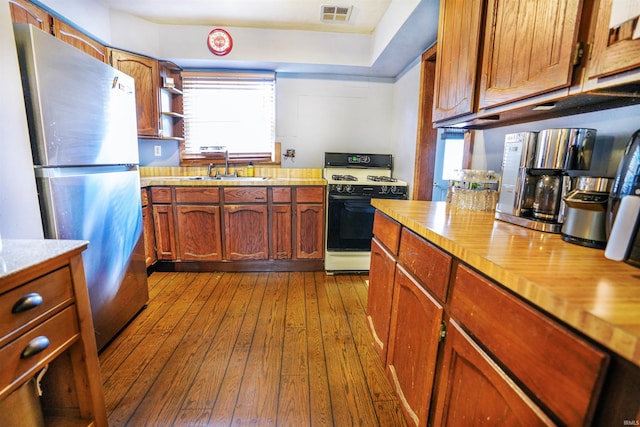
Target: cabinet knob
x,y
27,302
35,346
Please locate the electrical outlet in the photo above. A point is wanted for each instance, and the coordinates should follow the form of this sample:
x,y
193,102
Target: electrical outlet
x,y
290,153
157,150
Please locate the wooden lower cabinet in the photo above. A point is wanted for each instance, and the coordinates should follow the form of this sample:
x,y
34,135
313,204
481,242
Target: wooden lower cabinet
x,y
198,228
149,236
310,231
46,326
500,362
281,231
413,346
380,296
473,390
279,228
564,371
309,223
164,232
246,232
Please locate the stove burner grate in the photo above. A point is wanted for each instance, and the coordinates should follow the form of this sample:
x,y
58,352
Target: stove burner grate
x,y
381,178
344,178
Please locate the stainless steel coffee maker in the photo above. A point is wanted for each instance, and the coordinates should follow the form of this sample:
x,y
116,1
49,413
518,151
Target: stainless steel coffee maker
x,y
535,176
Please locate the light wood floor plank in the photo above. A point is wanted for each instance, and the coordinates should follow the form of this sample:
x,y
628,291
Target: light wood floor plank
x,y
259,349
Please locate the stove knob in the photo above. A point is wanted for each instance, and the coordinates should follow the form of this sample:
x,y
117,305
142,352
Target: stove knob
x,y
339,188
349,188
384,189
394,189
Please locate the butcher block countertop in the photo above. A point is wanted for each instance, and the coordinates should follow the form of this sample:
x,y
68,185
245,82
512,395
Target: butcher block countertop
x,y
264,176
578,285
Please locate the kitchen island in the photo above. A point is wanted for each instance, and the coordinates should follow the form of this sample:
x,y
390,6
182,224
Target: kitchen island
x,y
523,308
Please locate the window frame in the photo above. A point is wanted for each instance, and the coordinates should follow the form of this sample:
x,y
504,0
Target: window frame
x,y
262,158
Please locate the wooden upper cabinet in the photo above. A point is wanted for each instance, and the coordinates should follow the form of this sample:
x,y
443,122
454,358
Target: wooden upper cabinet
x,y
528,48
459,35
25,12
614,47
147,76
78,39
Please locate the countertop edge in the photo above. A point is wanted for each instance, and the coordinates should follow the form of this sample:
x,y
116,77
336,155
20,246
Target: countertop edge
x,y
602,331
185,181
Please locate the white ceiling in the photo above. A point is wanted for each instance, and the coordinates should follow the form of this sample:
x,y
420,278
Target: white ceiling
x,y
418,32
270,14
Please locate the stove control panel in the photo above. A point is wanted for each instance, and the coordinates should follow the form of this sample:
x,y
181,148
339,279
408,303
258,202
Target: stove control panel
x,y
380,191
358,159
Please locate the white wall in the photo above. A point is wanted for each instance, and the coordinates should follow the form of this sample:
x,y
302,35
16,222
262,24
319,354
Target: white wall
x,y
328,113
19,209
614,128
92,16
406,99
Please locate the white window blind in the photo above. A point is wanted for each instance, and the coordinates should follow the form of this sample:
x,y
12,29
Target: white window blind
x,y
230,109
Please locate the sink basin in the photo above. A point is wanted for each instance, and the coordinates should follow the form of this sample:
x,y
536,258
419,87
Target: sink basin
x,y
228,178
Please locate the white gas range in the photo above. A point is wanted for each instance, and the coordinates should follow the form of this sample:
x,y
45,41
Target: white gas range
x,y
353,180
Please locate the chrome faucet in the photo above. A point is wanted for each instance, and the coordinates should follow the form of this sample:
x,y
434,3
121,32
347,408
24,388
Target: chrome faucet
x,y
226,162
209,170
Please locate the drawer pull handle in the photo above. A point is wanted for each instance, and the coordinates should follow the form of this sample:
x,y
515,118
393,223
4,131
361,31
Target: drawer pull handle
x,y
27,302
34,347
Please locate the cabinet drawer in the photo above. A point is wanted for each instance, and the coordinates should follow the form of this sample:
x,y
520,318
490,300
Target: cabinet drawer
x,y
560,368
387,231
32,301
428,263
198,195
144,196
281,194
309,194
245,194
61,330
161,195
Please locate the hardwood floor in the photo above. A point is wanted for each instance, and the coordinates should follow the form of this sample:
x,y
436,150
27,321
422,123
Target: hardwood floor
x,y
263,349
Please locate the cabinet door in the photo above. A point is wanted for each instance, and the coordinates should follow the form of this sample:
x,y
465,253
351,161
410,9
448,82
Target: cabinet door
x,y
246,232
413,346
562,370
149,236
163,224
25,12
281,232
309,231
145,72
528,48
457,58
614,49
199,233
380,296
473,390
69,34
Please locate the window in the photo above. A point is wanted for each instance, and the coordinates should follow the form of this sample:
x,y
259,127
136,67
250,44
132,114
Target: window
x,y
450,151
229,109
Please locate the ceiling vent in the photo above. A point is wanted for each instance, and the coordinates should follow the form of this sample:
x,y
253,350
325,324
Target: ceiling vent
x,y
335,14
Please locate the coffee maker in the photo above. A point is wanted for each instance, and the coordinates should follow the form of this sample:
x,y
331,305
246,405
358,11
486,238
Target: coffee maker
x,y
535,176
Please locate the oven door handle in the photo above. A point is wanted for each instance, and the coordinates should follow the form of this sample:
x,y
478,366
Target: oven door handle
x,y
354,198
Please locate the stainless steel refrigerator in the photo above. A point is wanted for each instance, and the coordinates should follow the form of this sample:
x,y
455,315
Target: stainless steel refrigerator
x,y
82,124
